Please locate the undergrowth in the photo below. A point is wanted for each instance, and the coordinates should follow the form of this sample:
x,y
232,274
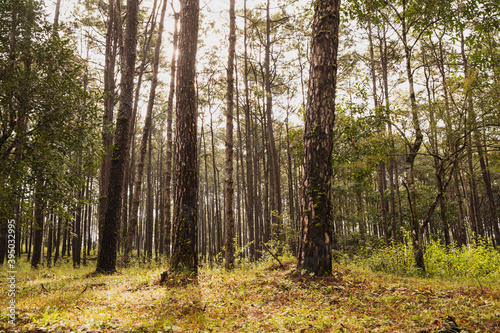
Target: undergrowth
x,y
475,261
254,297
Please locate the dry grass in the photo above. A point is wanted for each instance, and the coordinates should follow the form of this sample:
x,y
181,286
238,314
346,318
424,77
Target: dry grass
x,y
257,299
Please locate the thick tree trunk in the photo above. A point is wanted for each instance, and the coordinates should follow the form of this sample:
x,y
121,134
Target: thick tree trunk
x,y
106,260
316,226
109,102
185,248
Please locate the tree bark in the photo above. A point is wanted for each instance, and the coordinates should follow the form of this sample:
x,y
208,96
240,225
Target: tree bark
x,y
107,120
274,173
381,163
228,189
249,209
148,248
316,226
38,225
106,259
168,167
185,250
144,144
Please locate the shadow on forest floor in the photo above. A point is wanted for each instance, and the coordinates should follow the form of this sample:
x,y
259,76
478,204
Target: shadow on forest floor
x,y
259,298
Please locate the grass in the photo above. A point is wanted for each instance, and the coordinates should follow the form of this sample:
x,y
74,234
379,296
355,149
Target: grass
x,y
260,298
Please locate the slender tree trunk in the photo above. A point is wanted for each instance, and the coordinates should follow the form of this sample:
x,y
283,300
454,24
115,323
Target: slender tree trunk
x,y
413,148
290,182
249,209
228,189
77,239
130,161
148,245
381,164
316,229
396,232
58,240
168,167
240,171
259,218
50,226
489,194
274,178
471,122
38,225
435,152
143,149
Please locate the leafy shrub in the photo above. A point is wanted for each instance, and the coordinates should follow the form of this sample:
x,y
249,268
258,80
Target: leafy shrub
x,y
473,261
477,260
396,259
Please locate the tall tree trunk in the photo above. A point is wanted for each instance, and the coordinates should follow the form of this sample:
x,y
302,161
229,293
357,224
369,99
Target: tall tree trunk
x,y
274,178
259,218
148,249
316,229
106,259
290,183
381,163
168,167
433,140
185,249
107,120
396,232
228,189
249,209
130,161
240,172
144,143
476,222
413,148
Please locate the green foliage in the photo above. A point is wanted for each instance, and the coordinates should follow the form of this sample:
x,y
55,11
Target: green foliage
x,y
479,260
48,117
395,259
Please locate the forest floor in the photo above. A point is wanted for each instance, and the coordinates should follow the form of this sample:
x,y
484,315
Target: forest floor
x,y
260,298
